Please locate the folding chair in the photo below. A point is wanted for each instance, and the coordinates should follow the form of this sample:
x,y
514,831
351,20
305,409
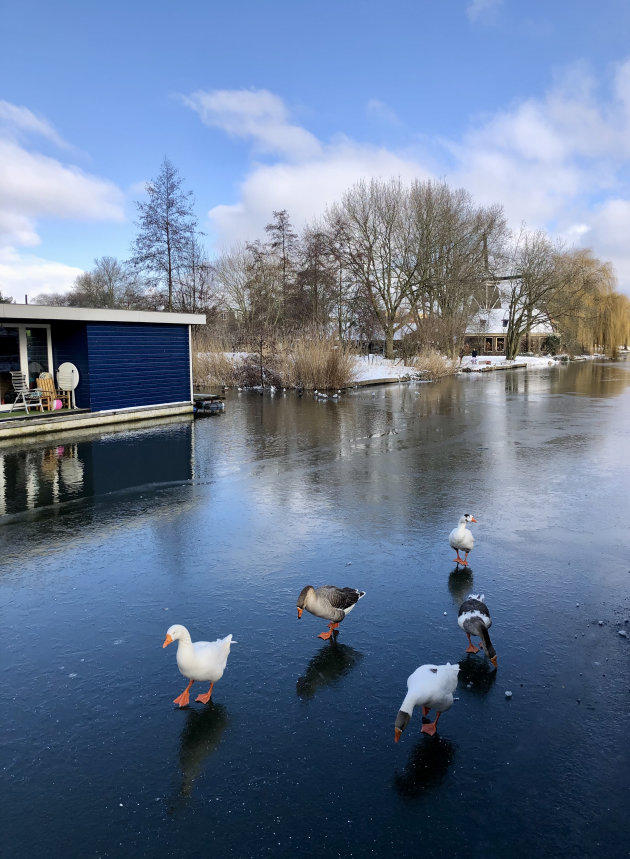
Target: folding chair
x,y
46,387
24,393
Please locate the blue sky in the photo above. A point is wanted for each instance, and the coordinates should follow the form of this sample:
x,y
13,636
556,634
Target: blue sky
x,y
274,105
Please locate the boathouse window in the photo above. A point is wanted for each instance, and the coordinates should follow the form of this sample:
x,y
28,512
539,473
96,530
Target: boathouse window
x,y
505,323
488,345
9,357
500,344
26,348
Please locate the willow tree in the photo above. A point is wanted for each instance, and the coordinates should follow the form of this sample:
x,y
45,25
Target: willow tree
x,y
577,306
166,227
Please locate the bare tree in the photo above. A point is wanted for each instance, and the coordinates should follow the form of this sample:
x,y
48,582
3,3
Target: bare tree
x,y
533,283
457,248
316,280
193,285
374,241
166,227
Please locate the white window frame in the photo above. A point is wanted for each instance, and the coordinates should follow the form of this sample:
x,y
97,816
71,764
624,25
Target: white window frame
x,y
22,326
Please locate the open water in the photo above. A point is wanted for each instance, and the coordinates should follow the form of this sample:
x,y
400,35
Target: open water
x,y
108,539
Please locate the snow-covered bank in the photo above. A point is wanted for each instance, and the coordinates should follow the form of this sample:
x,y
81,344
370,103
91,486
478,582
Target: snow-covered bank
x,y
376,368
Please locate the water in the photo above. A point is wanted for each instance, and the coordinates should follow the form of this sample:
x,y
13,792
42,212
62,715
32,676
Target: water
x,y
107,539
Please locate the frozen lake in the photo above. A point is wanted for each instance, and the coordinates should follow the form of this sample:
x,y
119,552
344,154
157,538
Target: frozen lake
x,y
108,539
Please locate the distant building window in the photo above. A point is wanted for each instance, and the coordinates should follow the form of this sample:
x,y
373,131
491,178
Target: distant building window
x,y
224,315
505,323
488,344
500,344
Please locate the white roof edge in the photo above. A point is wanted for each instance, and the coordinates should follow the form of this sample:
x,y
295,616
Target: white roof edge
x,y
42,313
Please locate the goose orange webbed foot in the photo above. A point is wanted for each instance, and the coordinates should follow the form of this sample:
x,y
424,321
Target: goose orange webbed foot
x,y
332,628
472,649
429,729
203,699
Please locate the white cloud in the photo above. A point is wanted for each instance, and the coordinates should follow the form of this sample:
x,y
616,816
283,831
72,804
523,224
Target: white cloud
x,y
305,188
483,9
256,114
22,274
553,162
18,121
382,112
34,186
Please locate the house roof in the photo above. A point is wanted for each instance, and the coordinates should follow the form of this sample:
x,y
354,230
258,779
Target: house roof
x,y
42,313
491,322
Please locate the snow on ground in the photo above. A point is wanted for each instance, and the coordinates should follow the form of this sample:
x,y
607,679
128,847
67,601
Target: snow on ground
x,y
370,367
485,360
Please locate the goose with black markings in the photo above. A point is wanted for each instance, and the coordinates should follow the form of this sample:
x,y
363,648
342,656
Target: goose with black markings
x,y
474,618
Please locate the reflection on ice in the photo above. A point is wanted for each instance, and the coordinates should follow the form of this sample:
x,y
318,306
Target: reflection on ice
x,y
329,665
426,768
476,673
199,739
460,584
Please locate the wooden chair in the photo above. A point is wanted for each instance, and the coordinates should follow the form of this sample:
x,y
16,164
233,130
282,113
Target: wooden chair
x,y
46,386
25,396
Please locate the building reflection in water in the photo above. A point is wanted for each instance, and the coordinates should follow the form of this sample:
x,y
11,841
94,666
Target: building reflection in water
x,y
86,465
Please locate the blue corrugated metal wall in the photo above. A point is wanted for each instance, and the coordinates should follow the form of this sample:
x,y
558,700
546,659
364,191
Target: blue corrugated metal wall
x,y
137,365
69,343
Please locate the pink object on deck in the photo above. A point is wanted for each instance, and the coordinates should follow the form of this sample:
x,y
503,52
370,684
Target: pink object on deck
x,y
58,404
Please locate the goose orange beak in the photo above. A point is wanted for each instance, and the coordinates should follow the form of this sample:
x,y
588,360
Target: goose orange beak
x,y
168,640
397,733
472,519
300,610
493,659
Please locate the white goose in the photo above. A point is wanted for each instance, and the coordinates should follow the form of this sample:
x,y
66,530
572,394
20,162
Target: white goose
x,y
474,618
328,602
199,660
461,539
430,687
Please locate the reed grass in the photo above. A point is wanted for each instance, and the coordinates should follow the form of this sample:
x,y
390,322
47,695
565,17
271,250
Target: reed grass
x,y
299,363
432,365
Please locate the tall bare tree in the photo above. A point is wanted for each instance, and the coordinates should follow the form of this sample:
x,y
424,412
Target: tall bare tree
x,y
166,226
534,281
374,240
457,245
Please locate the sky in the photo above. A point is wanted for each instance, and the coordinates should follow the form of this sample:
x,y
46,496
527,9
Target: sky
x,y
263,106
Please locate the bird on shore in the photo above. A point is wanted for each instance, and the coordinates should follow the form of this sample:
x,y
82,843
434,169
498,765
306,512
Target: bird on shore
x,y
329,602
198,660
474,618
462,540
430,687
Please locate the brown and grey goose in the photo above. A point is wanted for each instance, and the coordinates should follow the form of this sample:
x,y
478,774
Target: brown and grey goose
x,y
329,602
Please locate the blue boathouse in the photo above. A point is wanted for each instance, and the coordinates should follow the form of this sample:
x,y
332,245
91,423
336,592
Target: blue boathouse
x,y
127,360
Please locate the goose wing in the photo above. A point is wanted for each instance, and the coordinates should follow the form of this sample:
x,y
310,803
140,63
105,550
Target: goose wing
x,y
340,598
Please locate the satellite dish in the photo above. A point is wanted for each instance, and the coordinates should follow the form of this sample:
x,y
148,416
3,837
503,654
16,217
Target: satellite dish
x,y
68,378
